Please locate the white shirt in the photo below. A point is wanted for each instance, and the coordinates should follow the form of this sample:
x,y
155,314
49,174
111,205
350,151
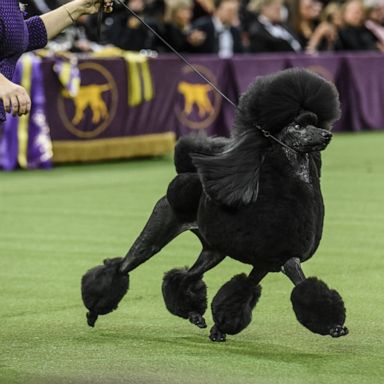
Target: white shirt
x,y
225,38
280,32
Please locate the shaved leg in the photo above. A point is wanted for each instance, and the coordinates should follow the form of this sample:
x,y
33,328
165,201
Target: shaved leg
x,y
292,269
162,227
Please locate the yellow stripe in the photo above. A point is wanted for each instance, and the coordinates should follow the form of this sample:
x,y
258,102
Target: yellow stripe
x,y
147,81
65,74
22,129
134,84
115,148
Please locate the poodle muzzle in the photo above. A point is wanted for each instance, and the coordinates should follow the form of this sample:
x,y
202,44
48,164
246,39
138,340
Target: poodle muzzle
x,y
305,139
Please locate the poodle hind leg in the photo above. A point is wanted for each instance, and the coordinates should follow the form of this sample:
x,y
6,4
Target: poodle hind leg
x,y
184,291
317,307
233,304
104,286
162,227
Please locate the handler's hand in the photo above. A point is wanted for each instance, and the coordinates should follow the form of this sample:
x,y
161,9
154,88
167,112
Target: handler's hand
x,y
15,98
92,6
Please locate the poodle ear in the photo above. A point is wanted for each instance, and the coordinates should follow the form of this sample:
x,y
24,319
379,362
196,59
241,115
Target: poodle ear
x,y
231,177
306,118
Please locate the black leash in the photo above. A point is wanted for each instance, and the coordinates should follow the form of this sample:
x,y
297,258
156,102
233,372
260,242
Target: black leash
x,y
182,58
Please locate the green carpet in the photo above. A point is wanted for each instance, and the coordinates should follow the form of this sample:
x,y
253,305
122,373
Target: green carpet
x,y
56,224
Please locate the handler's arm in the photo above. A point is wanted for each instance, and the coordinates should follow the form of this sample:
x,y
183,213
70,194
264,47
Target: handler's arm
x,y
62,17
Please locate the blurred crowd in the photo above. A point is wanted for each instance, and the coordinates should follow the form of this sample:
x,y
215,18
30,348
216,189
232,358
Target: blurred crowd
x,y
225,27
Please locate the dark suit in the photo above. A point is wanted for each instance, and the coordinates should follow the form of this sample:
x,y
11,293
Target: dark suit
x,y
211,42
356,39
260,39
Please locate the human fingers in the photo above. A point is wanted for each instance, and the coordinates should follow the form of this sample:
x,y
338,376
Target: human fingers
x,y
14,105
7,104
108,6
24,102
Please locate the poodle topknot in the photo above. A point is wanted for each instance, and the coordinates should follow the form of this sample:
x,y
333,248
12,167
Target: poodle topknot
x,y
275,100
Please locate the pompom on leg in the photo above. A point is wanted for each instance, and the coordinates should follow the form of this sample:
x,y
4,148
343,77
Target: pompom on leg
x,y
185,295
102,288
233,305
319,308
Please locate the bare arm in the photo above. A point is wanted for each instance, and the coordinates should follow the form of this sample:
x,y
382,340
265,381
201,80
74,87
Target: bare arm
x,y
62,17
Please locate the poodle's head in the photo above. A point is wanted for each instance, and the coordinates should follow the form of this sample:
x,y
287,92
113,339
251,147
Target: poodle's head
x,y
280,102
303,135
295,106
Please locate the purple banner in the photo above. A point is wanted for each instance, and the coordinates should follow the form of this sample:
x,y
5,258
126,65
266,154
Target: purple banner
x,y
131,97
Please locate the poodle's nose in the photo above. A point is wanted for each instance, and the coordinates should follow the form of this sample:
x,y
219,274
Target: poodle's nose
x,y
327,135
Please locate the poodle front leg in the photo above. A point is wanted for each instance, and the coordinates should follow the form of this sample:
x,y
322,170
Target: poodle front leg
x,y
184,291
317,307
162,227
233,304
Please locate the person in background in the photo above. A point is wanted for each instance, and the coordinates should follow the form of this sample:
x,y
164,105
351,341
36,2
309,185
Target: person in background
x,y
267,33
325,35
375,20
177,29
18,36
303,18
202,8
222,34
354,36
126,31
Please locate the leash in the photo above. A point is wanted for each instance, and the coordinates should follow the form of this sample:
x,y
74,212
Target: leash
x,y
265,133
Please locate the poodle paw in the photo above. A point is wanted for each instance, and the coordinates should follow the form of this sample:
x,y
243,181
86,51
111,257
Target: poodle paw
x,y
217,335
338,331
197,319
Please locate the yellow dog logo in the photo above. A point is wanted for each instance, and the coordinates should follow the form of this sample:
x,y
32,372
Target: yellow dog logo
x,y
89,96
196,94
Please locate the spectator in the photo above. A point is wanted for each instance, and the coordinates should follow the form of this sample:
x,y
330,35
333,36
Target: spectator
x,y
267,33
303,18
126,31
375,20
354,36
325,35
202,8
177,30
222,35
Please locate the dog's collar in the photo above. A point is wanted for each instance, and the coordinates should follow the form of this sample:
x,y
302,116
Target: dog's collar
x,y
269,135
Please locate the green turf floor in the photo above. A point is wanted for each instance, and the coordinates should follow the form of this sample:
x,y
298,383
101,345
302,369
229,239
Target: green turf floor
x,y
56,224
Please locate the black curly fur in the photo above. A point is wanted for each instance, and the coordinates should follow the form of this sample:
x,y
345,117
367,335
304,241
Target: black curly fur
x,y
231,177
275,100
102,288
233,304
317,307
184,294
184,193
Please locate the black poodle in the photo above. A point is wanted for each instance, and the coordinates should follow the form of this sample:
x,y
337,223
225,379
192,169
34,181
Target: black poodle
x,y
254,197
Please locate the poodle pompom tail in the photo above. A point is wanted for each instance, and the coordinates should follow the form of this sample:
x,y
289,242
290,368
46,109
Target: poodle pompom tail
x,y
102,289
319,308
275,100
233,304
184,193
184,294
